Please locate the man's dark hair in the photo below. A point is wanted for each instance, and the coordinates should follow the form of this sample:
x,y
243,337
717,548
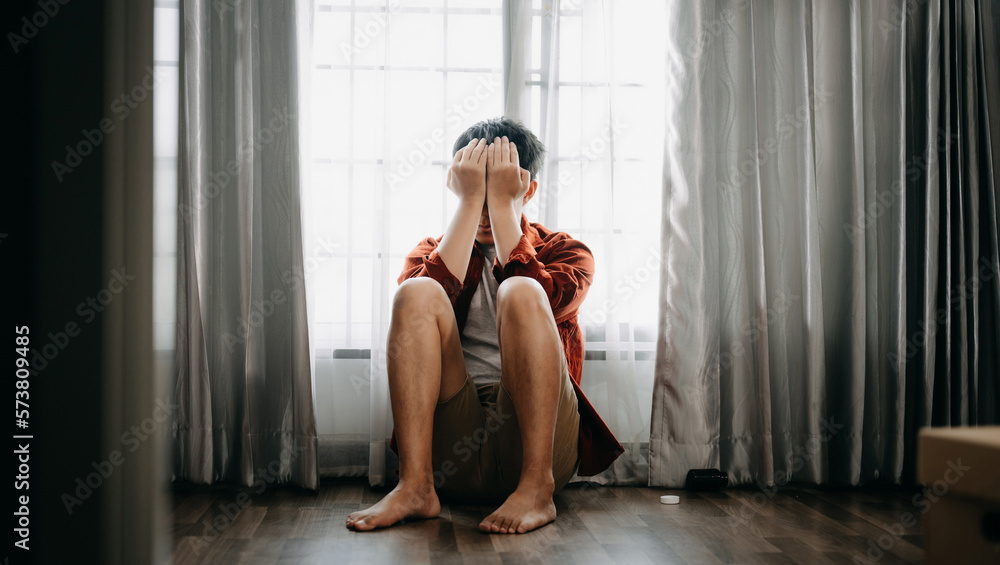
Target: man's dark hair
x,y
530,151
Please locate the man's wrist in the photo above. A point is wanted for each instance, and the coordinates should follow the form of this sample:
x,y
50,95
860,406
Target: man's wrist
x,y
500,200
472,201
504,208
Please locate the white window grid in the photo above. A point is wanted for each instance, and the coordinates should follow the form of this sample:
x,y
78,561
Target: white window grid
x,y
166,56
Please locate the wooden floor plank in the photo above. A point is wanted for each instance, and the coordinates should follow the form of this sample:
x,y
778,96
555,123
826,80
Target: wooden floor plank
x,y
653,545
280,522
257,551
196,550
692,550
190,507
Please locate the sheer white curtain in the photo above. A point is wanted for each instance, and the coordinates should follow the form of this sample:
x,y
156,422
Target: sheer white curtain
x,y
393,84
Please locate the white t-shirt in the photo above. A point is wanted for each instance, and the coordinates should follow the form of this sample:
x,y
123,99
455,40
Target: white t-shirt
x,y
479,337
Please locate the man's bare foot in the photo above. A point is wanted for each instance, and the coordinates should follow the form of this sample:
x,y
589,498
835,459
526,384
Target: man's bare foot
x,y
404,501
527,508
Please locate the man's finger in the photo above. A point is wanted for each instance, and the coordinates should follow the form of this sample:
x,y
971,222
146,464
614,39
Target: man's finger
x,y
468,149
461,154
505,151
479,151
513,154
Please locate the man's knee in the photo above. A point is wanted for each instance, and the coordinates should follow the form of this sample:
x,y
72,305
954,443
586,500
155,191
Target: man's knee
x,y
522,296
420,294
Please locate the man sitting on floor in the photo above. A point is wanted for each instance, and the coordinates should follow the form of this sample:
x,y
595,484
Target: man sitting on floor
x,y
485,353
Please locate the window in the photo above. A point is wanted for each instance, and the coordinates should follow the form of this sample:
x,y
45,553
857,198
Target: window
x,y
603,176
166,53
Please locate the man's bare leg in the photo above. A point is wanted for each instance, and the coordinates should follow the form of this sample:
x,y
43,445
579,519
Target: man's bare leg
x,y
530,352
425,365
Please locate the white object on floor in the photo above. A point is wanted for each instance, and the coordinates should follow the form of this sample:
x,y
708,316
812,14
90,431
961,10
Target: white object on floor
x,y
670,499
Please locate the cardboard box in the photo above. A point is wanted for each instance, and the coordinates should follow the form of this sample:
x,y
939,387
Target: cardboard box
x,y
961,469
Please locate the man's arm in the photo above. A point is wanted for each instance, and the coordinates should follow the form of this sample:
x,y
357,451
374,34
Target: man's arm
x,y
507,184
467,179
564,266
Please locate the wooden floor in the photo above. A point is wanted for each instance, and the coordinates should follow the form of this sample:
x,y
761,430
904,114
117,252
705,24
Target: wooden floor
x,y
595,525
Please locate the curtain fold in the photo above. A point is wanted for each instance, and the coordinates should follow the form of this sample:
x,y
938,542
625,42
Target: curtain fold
x,y
829,281
243,386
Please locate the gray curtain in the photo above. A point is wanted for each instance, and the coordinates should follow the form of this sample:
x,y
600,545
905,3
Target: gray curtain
x,y
244,387
830,237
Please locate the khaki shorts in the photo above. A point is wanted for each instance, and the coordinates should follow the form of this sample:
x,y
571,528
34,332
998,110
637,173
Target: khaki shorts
x,y
476,449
